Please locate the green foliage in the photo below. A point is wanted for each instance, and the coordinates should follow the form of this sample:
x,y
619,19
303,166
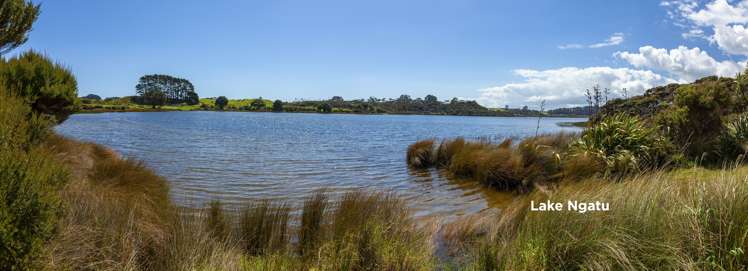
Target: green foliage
x,y
221,102
324,108
278,106
733,142
29,181
49,88
159,89
624,144
16,19
258,104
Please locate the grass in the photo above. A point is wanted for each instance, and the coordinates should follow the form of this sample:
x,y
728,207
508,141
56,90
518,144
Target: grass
x,y
684,220
506,165
118,216
421,154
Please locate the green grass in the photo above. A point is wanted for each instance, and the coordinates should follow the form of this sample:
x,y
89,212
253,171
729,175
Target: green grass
x,y
683,220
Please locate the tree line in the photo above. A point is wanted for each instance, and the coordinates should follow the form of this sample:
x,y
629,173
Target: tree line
x,y
160,89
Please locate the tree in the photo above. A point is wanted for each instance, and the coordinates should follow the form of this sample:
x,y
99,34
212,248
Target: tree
x,y
16,19
324,108
277,106
153,97
175,90
430,99
404,98
258,104
92,97
49,88
221,102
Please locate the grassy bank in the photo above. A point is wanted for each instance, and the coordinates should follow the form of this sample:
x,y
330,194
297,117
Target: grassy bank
x,y
118,216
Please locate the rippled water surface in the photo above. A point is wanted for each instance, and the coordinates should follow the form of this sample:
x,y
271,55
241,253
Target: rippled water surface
x,y
239,156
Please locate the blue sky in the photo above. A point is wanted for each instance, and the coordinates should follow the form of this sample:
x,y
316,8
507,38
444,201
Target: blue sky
x,y
497,52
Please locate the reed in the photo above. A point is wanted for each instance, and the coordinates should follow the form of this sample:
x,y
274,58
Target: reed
x,y
421,154
264,227
312,217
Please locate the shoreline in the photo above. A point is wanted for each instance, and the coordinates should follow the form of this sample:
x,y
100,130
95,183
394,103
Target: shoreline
x,y
332,113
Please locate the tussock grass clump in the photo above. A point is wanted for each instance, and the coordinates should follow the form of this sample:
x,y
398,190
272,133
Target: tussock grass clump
x,y
447,149
216,221
264,227
421,154
312,217
374,231
506,165
685,220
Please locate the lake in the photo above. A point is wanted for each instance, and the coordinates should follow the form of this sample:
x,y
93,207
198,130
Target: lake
x,y
242,156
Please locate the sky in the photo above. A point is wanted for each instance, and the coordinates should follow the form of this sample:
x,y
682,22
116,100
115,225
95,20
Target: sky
x,y
499,53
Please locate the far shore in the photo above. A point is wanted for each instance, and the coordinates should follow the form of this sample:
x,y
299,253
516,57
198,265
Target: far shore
x,y
147,110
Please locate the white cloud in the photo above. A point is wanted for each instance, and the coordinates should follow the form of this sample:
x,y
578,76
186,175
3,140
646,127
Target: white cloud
x,y
732,39
719,12
566,86
571,46
615,39
725,20
683,63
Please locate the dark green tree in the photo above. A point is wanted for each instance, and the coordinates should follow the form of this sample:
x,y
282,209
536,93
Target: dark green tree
x,y
16,19
277,106
49,88
324,108
175,90
430,99
221,102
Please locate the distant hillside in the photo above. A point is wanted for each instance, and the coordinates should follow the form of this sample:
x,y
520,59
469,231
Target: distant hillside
x,y
572,111
429,105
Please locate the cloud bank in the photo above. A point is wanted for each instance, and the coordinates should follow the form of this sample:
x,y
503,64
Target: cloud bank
x,y
722,23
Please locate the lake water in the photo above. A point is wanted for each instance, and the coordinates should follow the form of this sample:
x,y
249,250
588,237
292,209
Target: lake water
x,y
240,156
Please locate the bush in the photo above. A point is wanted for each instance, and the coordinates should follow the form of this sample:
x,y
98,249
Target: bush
x,y
49,88
696,116
29,181
733,142
622,143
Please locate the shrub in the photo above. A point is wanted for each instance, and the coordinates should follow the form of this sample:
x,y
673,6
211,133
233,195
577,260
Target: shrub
x,y
20,127
702,106
733,142
623,144
221,102
48,87
29,181
421,154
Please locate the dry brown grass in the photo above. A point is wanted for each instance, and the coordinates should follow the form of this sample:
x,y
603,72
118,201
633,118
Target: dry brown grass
x,y
421,154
